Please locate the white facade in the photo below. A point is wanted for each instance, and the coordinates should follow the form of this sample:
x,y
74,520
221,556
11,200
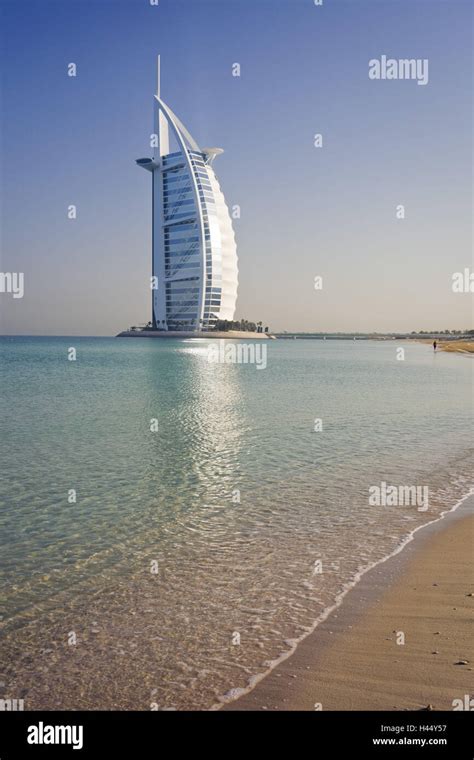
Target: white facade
x,y
194,256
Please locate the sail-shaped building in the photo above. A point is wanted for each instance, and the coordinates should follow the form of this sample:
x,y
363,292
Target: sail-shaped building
x,y
194,254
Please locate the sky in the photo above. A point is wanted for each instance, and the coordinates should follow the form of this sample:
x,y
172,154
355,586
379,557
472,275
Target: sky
x,y
306,211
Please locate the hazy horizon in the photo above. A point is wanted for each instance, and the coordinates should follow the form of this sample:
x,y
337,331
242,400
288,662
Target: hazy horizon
x,y
305,211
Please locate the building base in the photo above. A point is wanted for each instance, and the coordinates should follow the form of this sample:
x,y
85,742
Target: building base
x,y
212,335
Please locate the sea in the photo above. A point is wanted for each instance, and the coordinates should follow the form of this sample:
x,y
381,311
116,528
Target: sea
x,y
172,526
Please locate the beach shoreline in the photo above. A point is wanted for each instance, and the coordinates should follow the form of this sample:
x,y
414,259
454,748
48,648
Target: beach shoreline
x,y
465,347
399,639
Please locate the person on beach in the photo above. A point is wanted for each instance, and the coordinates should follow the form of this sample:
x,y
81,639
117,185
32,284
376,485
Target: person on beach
x,y
434,345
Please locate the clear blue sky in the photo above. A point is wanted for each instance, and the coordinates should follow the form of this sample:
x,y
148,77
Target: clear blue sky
x,y
305,211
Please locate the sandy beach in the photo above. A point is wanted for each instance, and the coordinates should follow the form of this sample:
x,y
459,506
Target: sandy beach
x,y
401,639
465,347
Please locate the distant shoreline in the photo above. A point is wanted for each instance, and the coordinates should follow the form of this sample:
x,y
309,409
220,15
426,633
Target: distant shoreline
x,y
455,346
379,337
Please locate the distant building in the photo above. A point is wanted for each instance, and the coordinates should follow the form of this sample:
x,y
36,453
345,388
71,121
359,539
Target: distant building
x,y
194,255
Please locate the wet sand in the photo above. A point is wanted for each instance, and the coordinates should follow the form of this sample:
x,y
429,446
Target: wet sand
x,y
402,639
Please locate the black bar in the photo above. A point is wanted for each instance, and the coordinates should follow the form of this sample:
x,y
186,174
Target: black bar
x,y
296,734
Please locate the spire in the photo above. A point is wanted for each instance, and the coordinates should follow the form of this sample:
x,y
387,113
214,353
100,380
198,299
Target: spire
x,y
164,117
161,123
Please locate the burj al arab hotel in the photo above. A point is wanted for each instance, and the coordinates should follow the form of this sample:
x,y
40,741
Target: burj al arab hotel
x,y
194,255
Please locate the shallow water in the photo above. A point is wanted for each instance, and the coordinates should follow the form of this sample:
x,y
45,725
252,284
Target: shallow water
x,y
83,571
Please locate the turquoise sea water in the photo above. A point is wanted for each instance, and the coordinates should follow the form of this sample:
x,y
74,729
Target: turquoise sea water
x,y
232,500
